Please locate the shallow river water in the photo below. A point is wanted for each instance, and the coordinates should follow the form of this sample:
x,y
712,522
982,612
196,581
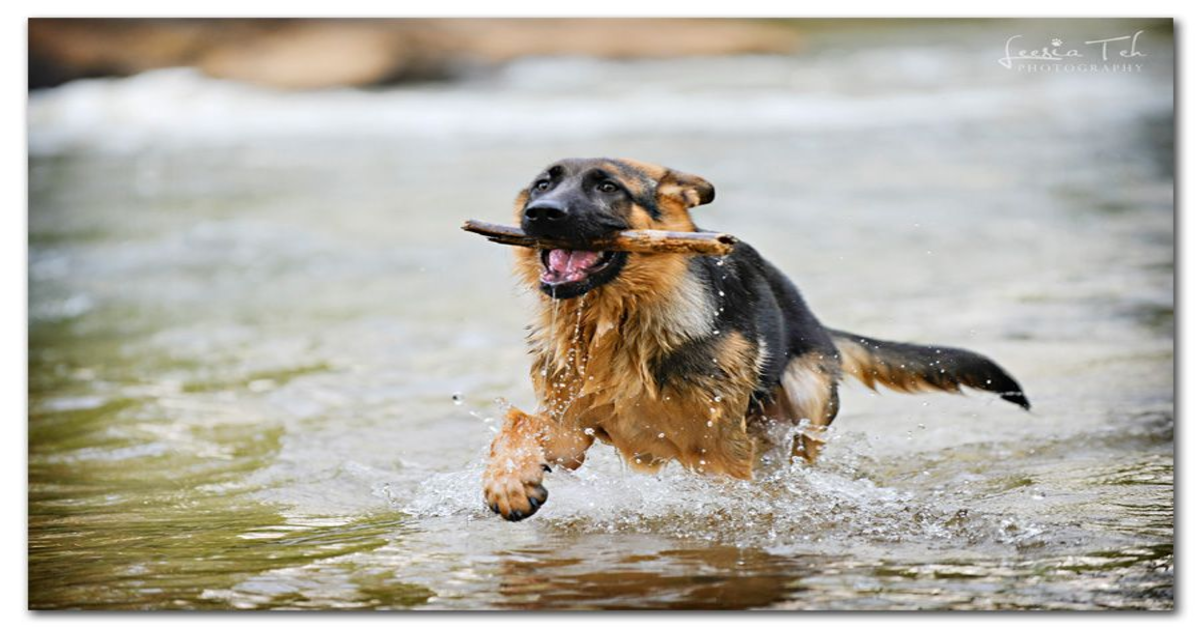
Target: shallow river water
x,y
264,361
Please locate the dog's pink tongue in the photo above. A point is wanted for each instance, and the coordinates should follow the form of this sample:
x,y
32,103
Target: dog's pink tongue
x,y
568,266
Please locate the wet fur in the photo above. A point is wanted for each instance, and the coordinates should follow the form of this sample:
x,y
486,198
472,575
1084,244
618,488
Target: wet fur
x,y
691,358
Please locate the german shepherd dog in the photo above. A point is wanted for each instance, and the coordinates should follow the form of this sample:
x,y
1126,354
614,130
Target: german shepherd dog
x,y
677,357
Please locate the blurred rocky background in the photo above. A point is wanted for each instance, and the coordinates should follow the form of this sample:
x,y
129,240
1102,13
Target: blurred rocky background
x,y
328,53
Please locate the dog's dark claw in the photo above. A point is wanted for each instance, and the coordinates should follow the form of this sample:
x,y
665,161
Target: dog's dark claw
x,y
535,504
495,507
547,469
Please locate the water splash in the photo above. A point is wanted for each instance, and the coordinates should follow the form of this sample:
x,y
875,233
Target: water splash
x,y
828,506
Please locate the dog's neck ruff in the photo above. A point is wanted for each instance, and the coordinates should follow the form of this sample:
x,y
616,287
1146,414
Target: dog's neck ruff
x,y
614,327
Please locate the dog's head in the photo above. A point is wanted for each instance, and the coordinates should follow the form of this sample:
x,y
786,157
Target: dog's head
x,y
581,200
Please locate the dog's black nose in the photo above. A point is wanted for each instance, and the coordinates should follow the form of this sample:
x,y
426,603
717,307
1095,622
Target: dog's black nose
x,y
545,211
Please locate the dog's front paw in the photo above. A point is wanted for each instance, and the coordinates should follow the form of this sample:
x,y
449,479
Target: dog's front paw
x,y
513,488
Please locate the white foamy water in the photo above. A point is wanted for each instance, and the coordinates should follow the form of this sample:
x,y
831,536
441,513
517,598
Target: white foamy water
x,y
180,108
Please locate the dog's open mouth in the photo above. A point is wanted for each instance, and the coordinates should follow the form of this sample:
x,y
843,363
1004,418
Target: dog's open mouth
x,y
562,267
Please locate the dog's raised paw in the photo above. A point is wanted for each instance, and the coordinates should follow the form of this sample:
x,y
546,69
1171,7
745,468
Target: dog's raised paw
x,y
513,499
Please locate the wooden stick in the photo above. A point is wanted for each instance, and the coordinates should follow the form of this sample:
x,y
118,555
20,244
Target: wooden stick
x,y
643,241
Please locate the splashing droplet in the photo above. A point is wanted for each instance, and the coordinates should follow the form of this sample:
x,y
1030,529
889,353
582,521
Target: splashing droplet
x,y
458,398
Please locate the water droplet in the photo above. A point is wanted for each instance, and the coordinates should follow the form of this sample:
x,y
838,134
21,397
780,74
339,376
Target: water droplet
x,y
720,293
710,424
589,431
920,426
717,398
458,398
662,435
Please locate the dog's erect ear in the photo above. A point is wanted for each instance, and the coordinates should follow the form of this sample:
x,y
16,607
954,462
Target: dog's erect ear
x,y
689,188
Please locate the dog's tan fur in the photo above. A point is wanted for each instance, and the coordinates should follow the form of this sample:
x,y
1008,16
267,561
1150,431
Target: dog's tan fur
x,y
869,369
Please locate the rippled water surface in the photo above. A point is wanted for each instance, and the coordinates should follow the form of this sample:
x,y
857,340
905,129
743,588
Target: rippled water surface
x,y
264,361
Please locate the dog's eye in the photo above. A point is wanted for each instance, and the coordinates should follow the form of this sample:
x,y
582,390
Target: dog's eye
x,y
608,187
542,186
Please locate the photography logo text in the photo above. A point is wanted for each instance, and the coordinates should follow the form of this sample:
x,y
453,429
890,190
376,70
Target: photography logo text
x,y
1111,54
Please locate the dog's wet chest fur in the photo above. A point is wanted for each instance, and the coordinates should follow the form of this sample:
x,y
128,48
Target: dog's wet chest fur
x,y
660,376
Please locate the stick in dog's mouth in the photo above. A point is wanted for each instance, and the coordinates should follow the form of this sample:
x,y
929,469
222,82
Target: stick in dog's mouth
x,y
634,241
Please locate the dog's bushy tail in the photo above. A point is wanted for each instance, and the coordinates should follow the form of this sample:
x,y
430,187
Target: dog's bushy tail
x,y
922,368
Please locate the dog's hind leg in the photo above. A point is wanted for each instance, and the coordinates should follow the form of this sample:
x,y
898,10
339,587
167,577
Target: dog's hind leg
x,y
809,395
520,456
